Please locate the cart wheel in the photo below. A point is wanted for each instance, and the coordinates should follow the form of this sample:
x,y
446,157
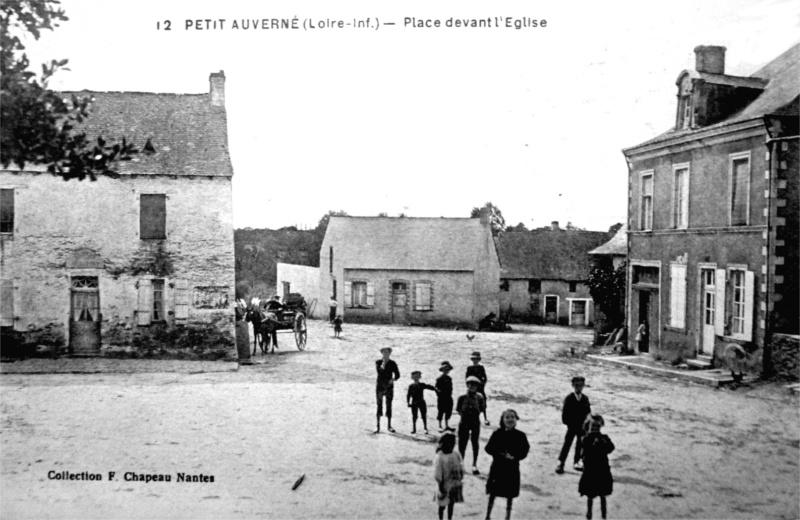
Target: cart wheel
x,y
300,331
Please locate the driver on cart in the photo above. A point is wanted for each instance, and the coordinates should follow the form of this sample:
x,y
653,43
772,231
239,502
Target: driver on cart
x,y
275,306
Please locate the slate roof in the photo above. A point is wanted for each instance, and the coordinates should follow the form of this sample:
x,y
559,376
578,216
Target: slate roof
x,y
548,254
617,246
189,134
430,244
779,96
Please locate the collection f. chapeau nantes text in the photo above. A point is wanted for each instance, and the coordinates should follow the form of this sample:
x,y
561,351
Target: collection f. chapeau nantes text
x,y
131,476
313,24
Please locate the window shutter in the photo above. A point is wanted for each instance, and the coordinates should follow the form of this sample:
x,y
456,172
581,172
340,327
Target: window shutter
x,y
7,303
181,300
719,303
677,296
145,302
348,294
370,295
749,298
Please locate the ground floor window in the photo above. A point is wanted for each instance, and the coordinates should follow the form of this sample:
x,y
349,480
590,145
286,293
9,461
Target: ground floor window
x,y
739,298
359,294
7,303
158,300
423,296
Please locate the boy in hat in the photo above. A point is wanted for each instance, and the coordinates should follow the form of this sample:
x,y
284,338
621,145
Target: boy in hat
x,y
416,400
573,415
444,394
470,406
388,373
479,371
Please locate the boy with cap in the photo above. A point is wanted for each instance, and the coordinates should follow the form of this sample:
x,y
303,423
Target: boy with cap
x,y
444,394
573,415
388,373
470,406
416,400
479,371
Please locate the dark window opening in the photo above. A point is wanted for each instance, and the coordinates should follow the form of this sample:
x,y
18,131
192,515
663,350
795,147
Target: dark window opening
x,y
504,285
153,217
331,264
334,288
158,300
534,286
7,211
573,286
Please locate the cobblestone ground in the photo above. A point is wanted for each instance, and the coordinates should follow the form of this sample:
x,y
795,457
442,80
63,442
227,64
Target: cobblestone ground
x,y
683,450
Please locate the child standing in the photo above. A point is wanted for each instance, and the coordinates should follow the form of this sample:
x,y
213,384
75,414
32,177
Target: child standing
x,y
337,326
596,480
479,371
388,373
507,446
573,415
416,400
470,406
448,471
444,394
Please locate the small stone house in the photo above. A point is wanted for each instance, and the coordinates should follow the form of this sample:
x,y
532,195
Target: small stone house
x,y
406,270
139,264
543,275
713,215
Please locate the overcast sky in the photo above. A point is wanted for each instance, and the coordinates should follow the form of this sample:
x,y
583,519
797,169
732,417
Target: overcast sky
x,y
427,122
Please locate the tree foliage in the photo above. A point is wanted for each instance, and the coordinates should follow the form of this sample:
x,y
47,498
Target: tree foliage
x,y
607,287
496,220
518,228
38,125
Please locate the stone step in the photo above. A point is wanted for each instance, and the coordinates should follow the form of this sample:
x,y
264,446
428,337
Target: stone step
x,y
699,364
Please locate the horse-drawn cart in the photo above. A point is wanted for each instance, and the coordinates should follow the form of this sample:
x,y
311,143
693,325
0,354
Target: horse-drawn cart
x,y
271,317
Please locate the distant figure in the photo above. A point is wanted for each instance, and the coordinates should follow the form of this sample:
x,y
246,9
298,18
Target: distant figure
x,y
596,480
507,446
573,414
388,373
332,304
479,371
444,395
448,471
470,406
337,327
416,400
491,323
642,337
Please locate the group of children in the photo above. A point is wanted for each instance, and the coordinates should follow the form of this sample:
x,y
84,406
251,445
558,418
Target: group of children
x,y
507,445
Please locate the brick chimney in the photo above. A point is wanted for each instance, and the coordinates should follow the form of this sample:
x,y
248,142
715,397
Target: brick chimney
x,y
554,225
217,81
710,58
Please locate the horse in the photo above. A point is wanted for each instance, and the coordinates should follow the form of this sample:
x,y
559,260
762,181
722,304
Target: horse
x,y
265,324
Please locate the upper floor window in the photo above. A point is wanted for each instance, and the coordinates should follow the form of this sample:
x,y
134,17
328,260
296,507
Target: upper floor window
x,y
504,285
740,189
6,211
534,285
153,216
646,215
680,196
573,287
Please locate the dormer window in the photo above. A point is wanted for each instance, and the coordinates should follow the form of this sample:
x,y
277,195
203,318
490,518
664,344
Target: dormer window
x,y
685,108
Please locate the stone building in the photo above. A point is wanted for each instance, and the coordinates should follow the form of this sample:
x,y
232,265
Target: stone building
x,y
410,270
713,215
543,275
140,263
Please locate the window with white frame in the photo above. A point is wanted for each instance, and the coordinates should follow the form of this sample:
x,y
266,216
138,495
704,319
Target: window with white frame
x,y
646,215
158,300
680,196
423,296
677,296
740,189
738,302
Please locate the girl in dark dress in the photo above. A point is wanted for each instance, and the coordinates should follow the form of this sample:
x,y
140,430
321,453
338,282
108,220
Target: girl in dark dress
x,y
596,480
507,446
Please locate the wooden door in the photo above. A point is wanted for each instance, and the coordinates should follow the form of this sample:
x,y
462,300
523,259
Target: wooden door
x,y
84,330
399,302
551,309
709,309
578,313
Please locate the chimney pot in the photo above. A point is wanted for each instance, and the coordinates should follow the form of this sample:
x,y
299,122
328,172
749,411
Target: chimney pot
x,y
217,81
710,59
554,225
